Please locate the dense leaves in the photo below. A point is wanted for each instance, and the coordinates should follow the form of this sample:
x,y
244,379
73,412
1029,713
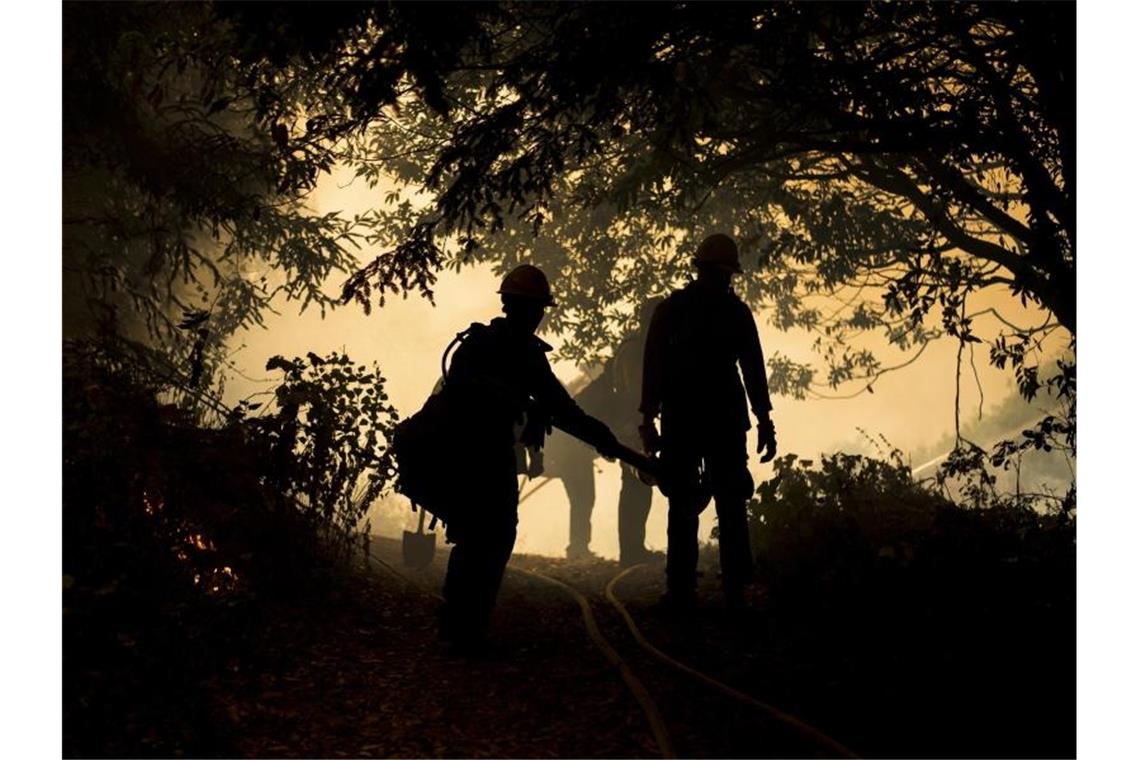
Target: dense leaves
x,y
176,200
326,443
836,524
859,138
880,164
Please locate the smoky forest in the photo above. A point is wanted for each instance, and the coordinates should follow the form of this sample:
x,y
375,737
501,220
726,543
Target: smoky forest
x,y
569,379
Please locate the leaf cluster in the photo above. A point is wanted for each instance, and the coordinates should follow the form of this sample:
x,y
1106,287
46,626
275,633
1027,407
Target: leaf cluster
x,y
324,440
849,521
863,154
176,198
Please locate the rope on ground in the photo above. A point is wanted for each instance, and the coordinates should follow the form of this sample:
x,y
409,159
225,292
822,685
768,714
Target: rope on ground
x,y
790,720
648,706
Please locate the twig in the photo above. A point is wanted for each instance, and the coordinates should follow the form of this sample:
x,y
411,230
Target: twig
x,y
978,381
873,378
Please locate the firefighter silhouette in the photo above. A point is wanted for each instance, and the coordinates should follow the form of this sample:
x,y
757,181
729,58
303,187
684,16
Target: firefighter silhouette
x,y
697,338
499,377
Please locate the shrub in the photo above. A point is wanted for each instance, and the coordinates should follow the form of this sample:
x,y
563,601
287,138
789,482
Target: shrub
x,y
181,519
835,522
326,446
831,527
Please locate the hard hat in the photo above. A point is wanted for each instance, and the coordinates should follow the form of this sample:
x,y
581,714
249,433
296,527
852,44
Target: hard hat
x,y
527,281
719,250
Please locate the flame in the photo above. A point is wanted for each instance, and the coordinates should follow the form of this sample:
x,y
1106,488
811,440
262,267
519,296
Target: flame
x,y
151,504
200,542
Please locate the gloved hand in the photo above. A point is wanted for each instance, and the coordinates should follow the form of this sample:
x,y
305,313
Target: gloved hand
x,y
596,433
607,443
767,440
650,438
537,427
535,464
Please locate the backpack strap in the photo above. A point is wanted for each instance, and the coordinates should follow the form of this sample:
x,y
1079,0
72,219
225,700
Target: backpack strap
x,y
459,338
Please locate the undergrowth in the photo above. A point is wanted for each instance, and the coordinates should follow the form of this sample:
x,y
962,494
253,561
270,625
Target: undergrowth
x,y
183,522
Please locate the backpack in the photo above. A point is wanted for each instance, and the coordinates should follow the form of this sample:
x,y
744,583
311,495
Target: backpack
x,y
424,440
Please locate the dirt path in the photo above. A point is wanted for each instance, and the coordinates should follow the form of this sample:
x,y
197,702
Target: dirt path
x,y
361,674
702,721
368,679
364,676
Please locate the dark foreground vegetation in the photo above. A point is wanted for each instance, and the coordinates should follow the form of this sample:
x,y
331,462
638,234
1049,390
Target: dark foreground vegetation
x,y
187,525
952,629
207,614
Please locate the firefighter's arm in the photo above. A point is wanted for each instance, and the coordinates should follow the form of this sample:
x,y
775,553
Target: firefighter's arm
x,y
592,431
569,417
751,357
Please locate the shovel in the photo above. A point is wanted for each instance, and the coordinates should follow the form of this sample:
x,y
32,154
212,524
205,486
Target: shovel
x,y
419,547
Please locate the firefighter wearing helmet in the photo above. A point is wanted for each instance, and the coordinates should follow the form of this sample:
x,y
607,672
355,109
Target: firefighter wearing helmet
x,y
500,381
697,338
527,282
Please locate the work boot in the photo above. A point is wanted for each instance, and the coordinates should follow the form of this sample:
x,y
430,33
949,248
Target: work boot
x,y
744,601
579,553
629,559
735,602
673,604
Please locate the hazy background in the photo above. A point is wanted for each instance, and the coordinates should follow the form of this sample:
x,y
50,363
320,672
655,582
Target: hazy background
x,y
913,407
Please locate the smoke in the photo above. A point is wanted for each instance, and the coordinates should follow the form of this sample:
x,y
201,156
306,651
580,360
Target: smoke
x,y
913,408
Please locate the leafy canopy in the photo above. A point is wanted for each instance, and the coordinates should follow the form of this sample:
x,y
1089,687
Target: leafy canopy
x,y
878,162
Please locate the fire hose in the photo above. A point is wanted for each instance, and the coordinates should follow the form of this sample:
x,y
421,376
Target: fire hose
x,y
806,730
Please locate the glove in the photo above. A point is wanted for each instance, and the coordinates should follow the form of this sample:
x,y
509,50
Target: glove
x,y
767,440
596,433
650,439
607,443
537,427
535,465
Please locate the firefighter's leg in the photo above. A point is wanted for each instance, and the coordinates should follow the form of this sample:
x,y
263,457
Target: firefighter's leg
x,y
633,511
681,557
579,484
732,486
458,587
683,466
499,549
484,539
474,574
488,577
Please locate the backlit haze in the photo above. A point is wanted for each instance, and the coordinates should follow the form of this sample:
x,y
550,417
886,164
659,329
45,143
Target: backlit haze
x,y
913,407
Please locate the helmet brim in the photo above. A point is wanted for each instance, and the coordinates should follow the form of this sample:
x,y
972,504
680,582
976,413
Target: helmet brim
x,y
547,301
724,266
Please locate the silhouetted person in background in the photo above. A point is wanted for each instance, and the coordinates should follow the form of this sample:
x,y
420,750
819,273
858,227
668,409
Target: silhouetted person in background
x,y
612,396
636,497
696,339
572,462
500,377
